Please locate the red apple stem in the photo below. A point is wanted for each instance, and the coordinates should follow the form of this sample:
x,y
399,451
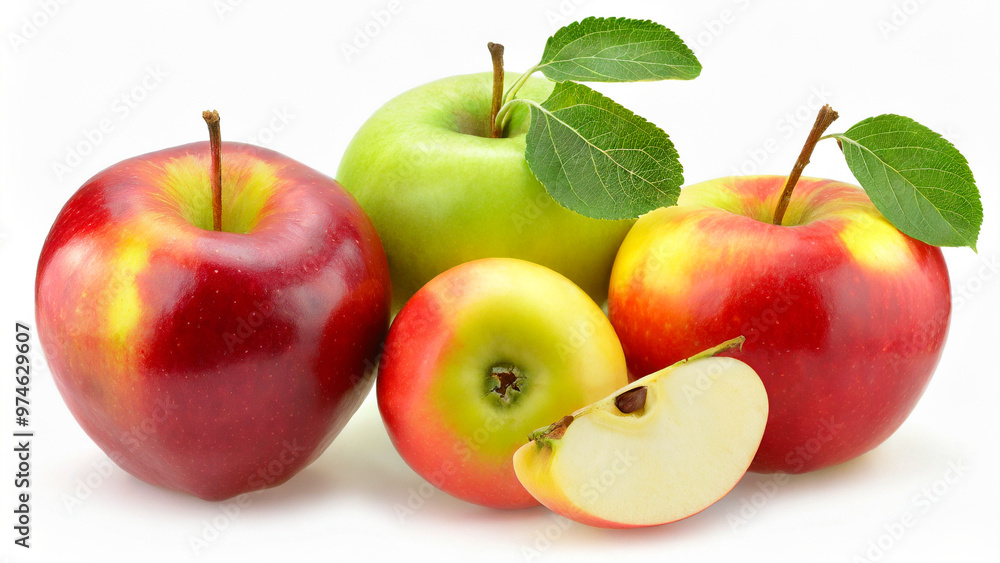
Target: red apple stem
x,y
215,141
496,52
824,118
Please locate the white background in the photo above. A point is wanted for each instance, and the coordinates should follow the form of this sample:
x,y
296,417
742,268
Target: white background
x,y
764,62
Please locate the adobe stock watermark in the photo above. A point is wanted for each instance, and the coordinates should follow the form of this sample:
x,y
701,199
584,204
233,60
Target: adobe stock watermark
x,y
31,25
278,121
132,441
561,12
597,487
898,17
580,336
447,295
826,431
591,491
435,481
418,496
121,108
706,377
416,157
751,504
984,276
532,211
246,326
785,128
714,28
926,332
231,510
757,327
366,32
86,486
546,536
225,7
920,504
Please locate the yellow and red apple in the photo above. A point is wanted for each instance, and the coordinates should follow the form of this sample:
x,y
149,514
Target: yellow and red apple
x,y
482,355
212,362
845,317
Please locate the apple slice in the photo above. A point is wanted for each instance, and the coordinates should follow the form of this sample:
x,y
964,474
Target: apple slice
x,y
660,449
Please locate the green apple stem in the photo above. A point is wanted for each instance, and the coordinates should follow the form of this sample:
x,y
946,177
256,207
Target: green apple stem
x,y
509,94
553,431
731,344
215,141
500,107
496,52
824,118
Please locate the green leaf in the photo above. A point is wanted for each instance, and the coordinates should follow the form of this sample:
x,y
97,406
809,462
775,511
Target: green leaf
x,y
599,159
916,178
617,50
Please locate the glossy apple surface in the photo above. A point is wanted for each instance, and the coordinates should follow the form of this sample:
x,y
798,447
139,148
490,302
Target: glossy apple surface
x,y
481,356
441,192
213,363
845,317
659,450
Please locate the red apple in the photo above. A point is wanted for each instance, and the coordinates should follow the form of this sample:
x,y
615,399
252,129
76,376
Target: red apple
x,y
213,363
481,356
844,316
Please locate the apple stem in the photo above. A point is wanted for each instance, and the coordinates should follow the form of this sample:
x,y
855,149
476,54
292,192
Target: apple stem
x,y
215,141
824,118
554,431
496,52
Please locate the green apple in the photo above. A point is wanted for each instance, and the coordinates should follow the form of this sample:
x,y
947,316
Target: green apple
x,y
661,449
482,355
441,191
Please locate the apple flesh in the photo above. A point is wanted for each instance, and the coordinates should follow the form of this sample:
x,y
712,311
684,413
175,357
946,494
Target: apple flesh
x,y
213,363
661,449
845,317
441,192
481,356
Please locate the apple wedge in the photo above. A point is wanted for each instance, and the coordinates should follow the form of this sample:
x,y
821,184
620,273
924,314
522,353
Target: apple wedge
x,y
661,449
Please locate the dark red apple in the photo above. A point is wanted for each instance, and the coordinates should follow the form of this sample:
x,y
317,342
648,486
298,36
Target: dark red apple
x,y
212,362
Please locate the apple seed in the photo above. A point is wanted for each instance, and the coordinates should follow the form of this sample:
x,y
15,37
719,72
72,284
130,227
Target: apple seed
x,y
632,400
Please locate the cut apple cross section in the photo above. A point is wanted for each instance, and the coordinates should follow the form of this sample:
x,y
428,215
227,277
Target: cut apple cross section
x,y
661,449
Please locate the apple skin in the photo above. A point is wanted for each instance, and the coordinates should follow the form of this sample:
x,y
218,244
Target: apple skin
x,y
213,363
845,317
434,385
441,192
